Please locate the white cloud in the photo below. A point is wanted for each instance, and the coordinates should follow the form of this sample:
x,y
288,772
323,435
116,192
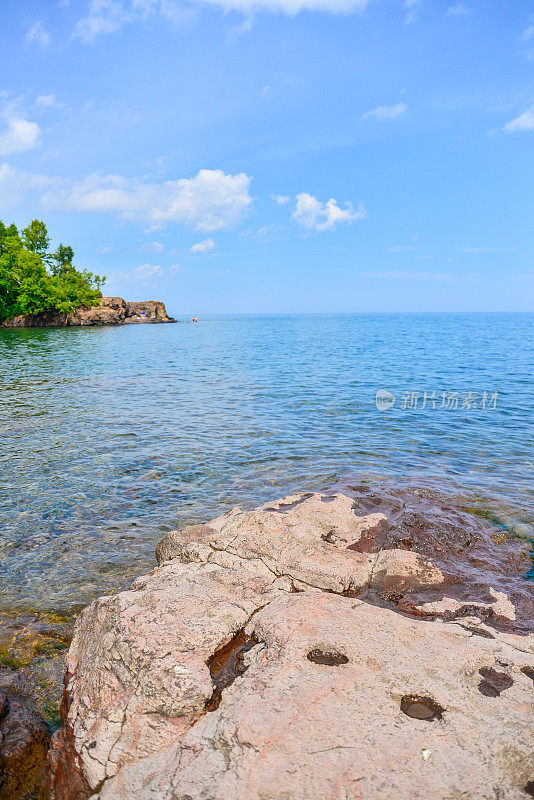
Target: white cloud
x,y
45,101
145,272
203,247
143,275
280,199
311,214
15,184
524,122
175,269
152,247
108,16
37,34
458,10
210,201
386,112
20,135
105,16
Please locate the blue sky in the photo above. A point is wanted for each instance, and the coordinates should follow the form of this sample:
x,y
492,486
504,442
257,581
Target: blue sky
x,y
243,156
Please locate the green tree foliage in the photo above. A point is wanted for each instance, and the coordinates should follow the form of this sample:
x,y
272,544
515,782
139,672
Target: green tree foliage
x,y
33,280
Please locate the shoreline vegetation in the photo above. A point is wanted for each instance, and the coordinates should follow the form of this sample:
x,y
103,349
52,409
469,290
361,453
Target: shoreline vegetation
x,y
35,281
40,288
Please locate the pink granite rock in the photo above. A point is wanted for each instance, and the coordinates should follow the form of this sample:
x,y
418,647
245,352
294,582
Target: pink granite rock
x,y
345,700
243,668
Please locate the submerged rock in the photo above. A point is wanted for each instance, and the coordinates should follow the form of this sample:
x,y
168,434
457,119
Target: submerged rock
x,y
111,311
266,659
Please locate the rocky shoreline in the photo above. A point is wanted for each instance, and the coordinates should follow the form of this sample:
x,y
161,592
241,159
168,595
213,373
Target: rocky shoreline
x,y
111,311
315,648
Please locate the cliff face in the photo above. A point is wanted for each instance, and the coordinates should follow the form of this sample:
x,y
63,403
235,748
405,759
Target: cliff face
x,y
111,311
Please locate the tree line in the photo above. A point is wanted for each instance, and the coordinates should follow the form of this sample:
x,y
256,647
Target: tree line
x,y
34,280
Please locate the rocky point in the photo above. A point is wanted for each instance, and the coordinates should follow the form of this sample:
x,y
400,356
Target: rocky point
x,y
111,311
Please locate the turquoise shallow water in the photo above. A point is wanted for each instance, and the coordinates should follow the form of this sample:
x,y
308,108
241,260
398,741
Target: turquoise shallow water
x,y
111,436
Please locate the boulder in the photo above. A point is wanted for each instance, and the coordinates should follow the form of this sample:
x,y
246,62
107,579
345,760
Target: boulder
x,y
344,700
147,311
265,659
24,739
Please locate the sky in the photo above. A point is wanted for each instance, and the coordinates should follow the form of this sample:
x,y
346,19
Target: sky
x,y
273,156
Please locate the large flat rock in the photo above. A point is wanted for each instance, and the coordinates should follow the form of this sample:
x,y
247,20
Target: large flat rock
x,y
266,658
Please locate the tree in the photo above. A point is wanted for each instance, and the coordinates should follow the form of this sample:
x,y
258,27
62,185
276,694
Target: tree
x,y
35,238
62,259
34,281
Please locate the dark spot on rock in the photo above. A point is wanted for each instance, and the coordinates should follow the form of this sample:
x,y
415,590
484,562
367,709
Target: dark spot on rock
x,y
529,788
493,682
227,664
529,672
330,658
421,707
326,498
351,592
328,537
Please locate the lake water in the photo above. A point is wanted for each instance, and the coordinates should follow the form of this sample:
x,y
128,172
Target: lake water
x,y
112,436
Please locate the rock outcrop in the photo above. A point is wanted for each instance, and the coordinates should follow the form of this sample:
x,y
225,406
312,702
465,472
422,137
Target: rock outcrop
x,y
266,658
111,311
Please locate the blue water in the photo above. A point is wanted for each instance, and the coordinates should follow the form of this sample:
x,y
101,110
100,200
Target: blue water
x,y
112,436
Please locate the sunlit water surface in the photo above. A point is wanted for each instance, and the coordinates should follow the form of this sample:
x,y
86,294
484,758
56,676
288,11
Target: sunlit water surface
x,y
112,436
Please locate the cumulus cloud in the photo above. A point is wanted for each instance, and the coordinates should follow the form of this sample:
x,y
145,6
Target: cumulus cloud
x,y
524,122
210,201
20,135
37,34
203,247
108,16
15,184
386,112
280,199
311,214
